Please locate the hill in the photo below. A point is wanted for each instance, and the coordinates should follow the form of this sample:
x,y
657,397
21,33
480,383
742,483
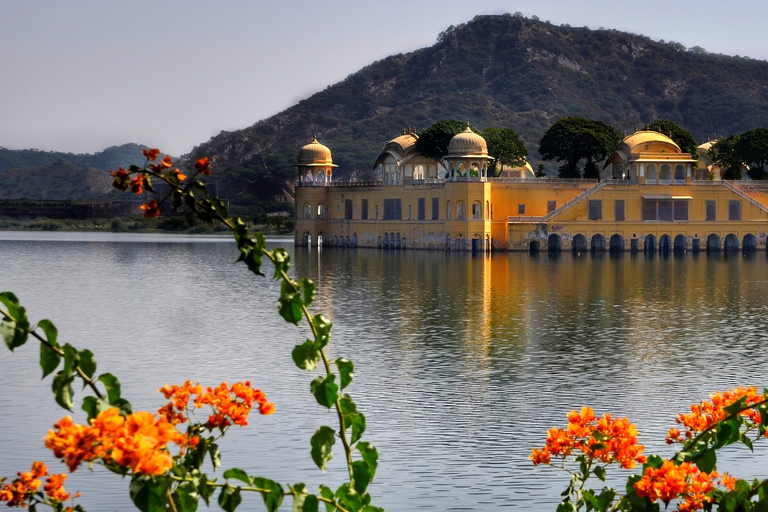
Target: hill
x,y
504,71
56,181
106,160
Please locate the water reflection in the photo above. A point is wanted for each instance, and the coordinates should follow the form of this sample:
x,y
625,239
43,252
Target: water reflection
x,y
461,362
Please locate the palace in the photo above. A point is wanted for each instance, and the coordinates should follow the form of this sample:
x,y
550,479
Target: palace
x,y
653,197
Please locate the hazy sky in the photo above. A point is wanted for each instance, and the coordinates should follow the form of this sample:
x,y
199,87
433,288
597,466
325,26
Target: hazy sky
x,y
81,75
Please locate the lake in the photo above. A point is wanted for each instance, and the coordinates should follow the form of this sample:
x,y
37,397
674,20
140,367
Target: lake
x,y
462,362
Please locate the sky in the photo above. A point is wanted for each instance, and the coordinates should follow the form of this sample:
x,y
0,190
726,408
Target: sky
x,y
83,75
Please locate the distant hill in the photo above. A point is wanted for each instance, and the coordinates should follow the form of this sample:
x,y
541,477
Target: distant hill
x,y
56,181
503,71
106,160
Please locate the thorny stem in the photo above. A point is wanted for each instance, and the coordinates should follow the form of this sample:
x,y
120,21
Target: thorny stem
x,y
58,351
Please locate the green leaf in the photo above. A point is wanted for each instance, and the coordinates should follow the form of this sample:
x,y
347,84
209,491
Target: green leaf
x,y
49,359
112,386
185,497
605,500
305,356
361,476
736,406
299,496
213,450
325,390
352,418
327,493
600,472
589,497
290,304
205,489
727,432
14,330
706,461
323,327
322,443
87,363
309,290
149,494
71,358
346,368
310,504
51,333
281,260
230,498
238,474
93,406
370,456
349,498
62,389
272,493
565,506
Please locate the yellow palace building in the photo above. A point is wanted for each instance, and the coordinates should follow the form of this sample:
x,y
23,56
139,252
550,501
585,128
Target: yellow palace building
x,y
654,198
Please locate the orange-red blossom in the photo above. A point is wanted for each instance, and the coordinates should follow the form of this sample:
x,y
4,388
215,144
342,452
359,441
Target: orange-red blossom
x,y
707,413
603,439
231,404
22,489
683,481
151,209
137,442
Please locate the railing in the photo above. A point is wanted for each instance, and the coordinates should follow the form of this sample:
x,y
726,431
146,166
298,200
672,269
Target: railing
x,y
746,196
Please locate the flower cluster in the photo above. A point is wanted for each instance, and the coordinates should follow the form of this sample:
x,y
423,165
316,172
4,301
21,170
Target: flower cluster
x,y
230,404
606,440
707,413
19,492
136,442
683,481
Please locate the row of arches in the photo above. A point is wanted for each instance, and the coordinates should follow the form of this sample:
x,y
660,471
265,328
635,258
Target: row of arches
x,y
392,241
306,240
650,243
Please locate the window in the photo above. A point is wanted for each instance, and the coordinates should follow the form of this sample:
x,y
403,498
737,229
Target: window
x,y
409,212
711,209
551,206
321,211
665,210
679,172
618,209
393,209
347,208
595,209
448,210
375,211
435,208
422,209
649,210
418,172
681,210
307,211
461,211
477,211
364,209
734,209
521,209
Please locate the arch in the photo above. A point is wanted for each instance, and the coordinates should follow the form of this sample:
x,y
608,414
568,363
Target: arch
x,y
598,243
579,243
335,240
385,242
749,243
309,177
320,211
477,210
554,243
320,239
731,242
616,243
307,239
461,210
713,242
296,238
418,172
679,172
354,240
681,243
307,211
665,174
320,178
665,244
650,173
533,247
403,244
397,240
650,244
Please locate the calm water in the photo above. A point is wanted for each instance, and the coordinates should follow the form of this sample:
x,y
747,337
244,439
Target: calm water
x,y
461,362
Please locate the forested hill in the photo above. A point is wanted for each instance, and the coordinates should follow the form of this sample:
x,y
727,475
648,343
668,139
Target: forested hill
x,y
105,160
504,71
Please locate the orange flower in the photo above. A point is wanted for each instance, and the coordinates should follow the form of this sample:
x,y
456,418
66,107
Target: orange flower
x,y
151,209
683,481
137,185
121,179
707,413
540,456
54,487
151,154
22,489
203,166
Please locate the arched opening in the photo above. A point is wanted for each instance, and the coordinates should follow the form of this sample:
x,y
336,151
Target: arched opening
x,y
749,243
307,211
354,240
579,243
616,243
679,173
554,243
320,178
309,178
447,242
681,243
321,211
296,238
397,240
650,174
533,247
461,211
335,240
477,210
731,242
307,239
598,243
713,242
650,244
320,239
665,175
418,172
386,241
665,244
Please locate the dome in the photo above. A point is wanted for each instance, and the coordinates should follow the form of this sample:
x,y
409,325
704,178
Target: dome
x,y
314,153
405,141
467,143
634,140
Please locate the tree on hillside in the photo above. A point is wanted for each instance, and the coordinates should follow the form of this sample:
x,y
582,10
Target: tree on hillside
x,y
723,154
678,134
505,146
433,142
572,139
752,147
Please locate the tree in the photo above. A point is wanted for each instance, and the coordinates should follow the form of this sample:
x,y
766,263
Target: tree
x,y
505,146
723,154
678,134
752,148
433,143
572,139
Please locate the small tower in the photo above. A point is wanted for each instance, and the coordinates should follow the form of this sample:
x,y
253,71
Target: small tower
x,y
314,164
467,152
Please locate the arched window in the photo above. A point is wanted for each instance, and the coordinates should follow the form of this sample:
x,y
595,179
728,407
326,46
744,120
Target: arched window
x,y
448,209
307,211
309,178
320,176
650,173
477,210
666,173
418,172
679,172
321,211
461,211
